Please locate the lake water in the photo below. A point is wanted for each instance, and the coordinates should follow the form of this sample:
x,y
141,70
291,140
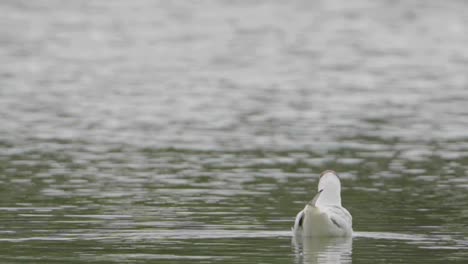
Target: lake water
x,y
194,131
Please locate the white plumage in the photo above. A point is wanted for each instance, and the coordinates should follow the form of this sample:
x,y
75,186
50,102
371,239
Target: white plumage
x,y
324,215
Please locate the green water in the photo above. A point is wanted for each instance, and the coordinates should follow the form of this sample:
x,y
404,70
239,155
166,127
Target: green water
x,y
176,206
194,131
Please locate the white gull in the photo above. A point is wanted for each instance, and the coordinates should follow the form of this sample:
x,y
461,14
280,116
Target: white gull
x,y
324,216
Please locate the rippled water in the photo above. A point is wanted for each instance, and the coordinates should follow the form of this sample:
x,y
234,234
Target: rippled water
x,y
182,132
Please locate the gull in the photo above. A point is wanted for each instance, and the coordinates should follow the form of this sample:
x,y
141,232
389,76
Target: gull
x,y
324,216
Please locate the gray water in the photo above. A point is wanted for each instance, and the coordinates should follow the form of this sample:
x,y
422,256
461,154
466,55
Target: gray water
x,y
194,131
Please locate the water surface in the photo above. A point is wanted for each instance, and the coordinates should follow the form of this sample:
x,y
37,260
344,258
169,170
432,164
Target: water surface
x,y
182,132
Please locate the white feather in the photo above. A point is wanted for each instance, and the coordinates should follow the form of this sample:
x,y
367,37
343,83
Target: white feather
x,y
324,215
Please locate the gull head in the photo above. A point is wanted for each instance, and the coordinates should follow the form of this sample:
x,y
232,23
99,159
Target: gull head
x,y
329,188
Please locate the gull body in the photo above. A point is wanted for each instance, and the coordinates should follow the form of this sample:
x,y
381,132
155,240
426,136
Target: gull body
x,y
324,216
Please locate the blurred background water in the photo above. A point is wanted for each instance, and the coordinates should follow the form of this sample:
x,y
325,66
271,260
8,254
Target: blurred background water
x,y
194,131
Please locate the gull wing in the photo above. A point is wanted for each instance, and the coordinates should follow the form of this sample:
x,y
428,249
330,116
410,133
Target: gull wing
x,y
299,221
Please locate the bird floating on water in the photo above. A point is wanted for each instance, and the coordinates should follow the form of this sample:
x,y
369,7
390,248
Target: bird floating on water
x,y
324,216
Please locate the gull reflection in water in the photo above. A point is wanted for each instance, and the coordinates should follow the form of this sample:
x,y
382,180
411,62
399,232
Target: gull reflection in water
x,y
323,250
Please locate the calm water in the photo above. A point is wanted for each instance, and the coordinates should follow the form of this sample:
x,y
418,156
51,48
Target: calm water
x,y
193,132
